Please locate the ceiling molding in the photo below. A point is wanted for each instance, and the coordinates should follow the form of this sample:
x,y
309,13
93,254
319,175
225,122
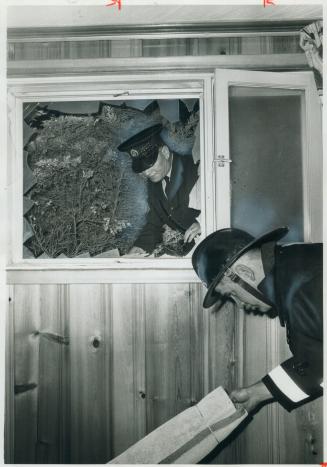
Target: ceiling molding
x,y
47,34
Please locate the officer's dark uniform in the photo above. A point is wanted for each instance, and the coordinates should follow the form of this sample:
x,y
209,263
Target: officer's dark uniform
x,y
294,285
171,208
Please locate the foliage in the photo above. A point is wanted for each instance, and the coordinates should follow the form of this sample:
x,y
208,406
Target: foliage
x,y
86,197
172,243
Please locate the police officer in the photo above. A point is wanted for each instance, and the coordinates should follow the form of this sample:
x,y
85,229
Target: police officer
x,y
172,178
260,275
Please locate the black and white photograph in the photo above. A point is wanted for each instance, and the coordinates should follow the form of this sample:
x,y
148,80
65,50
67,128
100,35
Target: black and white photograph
x,y
162,238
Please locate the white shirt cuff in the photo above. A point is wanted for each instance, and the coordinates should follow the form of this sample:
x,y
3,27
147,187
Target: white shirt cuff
x,y
286,385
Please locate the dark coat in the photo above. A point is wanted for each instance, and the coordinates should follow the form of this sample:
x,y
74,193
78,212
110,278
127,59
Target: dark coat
x,y
175,213
297,294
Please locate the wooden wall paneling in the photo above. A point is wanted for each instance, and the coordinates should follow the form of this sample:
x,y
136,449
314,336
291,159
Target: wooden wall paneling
x,y
197,353
300,431
221,347
222,366
53,348
254,441
64,395
26,306
9,438
90,370
168,352
128,366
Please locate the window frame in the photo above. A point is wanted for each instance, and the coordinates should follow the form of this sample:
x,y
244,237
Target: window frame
x,y
117,270
311,141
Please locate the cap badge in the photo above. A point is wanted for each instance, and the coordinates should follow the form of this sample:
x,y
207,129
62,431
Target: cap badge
x,y
134,153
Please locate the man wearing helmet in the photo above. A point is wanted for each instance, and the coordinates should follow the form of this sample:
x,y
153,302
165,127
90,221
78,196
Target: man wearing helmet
x,y
262,276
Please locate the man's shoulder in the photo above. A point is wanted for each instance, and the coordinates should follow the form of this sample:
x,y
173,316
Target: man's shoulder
x,y
300,249
299,258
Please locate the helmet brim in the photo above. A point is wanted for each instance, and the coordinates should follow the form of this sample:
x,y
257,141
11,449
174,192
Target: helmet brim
x,y
212,297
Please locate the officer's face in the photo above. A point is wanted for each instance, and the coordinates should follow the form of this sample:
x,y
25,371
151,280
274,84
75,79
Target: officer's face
x,y
241,297
250,269
161,167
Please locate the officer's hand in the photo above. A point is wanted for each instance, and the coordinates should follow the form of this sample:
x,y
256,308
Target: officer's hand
x,y
192,232
137,251
249,398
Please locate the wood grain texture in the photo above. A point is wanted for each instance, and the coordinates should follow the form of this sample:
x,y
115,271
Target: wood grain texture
x,y
137,355
51,364
169,367
89,374
9,431
128,374
221,338
255,439
26,305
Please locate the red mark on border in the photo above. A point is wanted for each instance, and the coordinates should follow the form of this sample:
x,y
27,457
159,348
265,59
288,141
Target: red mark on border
x,y
323,464
266,3
115,3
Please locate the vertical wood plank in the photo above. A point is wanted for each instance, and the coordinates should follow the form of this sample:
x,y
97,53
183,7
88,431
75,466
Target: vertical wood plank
x,y
168,342
9,430
128,390
26,303
253,447
64,388
89,374
222,366
197,352
53,344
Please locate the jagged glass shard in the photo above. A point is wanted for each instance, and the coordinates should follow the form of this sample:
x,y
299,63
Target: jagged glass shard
x,y
80,107
140,104
83,255
27,132
196,146
189,103
27,204
28,176
27,253
44,256
169,109
109,254
27,231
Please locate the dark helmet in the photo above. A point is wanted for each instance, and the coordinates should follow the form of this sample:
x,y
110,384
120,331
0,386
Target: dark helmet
x,y
143,148
216,253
